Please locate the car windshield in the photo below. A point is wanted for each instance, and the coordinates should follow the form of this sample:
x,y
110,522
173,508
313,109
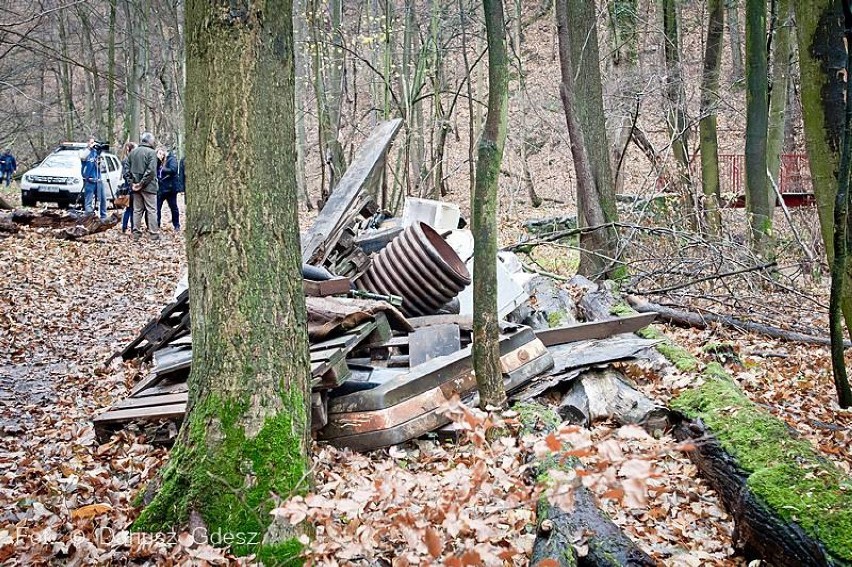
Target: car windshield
x,y
64,162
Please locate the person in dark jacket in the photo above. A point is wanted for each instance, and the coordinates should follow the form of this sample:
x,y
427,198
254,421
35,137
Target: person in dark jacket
x,y
92,184
143,173
8,166
181,176
167,178
127,219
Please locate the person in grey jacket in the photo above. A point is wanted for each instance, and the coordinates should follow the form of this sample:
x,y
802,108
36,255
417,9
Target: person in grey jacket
x,y
143,174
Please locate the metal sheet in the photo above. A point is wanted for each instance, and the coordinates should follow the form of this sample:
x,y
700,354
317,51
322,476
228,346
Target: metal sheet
x,y
453,368
432,342
595,329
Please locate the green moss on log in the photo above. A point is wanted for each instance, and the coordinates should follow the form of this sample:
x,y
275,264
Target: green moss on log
x,y
231,487
785,472
676,354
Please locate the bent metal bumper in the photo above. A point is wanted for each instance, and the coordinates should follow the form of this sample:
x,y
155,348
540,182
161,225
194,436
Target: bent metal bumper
x,y
411,404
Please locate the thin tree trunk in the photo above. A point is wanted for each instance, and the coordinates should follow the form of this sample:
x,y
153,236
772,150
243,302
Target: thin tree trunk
x,y
526,175
622,86
737,67
759,205
244,441
110,124
66,79
301,40
471,138
709,107
781,53
582,101
486,355
676,111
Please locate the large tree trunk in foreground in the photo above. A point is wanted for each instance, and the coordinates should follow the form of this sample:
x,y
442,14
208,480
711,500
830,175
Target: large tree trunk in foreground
x,y
486,354
822,60
582,102
759,205
246,434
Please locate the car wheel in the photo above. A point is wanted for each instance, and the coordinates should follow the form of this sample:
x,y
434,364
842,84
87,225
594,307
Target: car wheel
x,y
28,201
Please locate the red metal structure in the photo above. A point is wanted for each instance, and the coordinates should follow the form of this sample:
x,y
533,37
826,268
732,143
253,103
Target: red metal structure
x,y
794,184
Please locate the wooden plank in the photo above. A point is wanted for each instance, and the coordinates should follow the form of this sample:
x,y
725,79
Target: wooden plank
x,y
173,411
334,286
322,236
149,401
163,388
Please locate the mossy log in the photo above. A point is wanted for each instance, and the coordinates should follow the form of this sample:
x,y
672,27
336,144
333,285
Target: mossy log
x,y
560,533
790,505
607,394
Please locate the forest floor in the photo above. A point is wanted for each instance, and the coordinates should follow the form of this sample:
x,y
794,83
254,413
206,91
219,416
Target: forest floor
x,y
66,307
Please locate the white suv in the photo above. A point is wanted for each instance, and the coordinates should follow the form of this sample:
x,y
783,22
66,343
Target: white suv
x,y
58,179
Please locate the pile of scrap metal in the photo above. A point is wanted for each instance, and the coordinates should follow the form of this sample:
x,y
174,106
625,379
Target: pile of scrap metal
x,y
389,304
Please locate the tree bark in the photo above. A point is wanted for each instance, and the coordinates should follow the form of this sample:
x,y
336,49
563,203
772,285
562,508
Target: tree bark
x,y
709,107
580,91
781,53
760,205
246,434
841,236
676,111
110,122
822,59
486,355
737,68
622,87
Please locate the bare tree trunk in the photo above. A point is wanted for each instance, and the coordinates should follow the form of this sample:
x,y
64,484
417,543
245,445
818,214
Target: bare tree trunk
x,y
110,123
621,88
819,30
781,55
582,102
709,107
301,41
676,111
737,67
486,354
244,441
759,205
526,176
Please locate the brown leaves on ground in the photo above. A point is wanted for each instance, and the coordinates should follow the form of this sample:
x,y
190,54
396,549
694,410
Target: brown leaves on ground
x,y
66,306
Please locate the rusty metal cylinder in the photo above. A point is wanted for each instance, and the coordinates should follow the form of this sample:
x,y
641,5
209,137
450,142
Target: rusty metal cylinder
x,y
419,266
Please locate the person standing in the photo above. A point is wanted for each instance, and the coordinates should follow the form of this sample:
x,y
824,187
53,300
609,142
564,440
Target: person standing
x,y
8,166
143,173
167,170
127,218
92,184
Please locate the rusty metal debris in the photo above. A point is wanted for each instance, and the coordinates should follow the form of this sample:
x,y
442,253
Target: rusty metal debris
x,y
421,267
380,375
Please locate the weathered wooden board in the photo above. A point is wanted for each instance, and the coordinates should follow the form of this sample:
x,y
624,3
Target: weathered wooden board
x,y
321,238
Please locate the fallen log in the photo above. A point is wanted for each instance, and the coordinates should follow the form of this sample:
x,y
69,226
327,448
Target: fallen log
x,y
560,533
86,226
787,501
597,302
599,395
5,205
702,320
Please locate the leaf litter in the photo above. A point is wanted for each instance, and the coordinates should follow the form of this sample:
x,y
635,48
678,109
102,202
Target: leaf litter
x,y
66,306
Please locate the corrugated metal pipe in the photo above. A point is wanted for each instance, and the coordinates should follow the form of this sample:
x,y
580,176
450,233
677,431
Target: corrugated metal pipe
x,y
419,266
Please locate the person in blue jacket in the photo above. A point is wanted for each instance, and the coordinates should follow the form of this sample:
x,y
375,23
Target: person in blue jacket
x,y
8,166
92,184
167,176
